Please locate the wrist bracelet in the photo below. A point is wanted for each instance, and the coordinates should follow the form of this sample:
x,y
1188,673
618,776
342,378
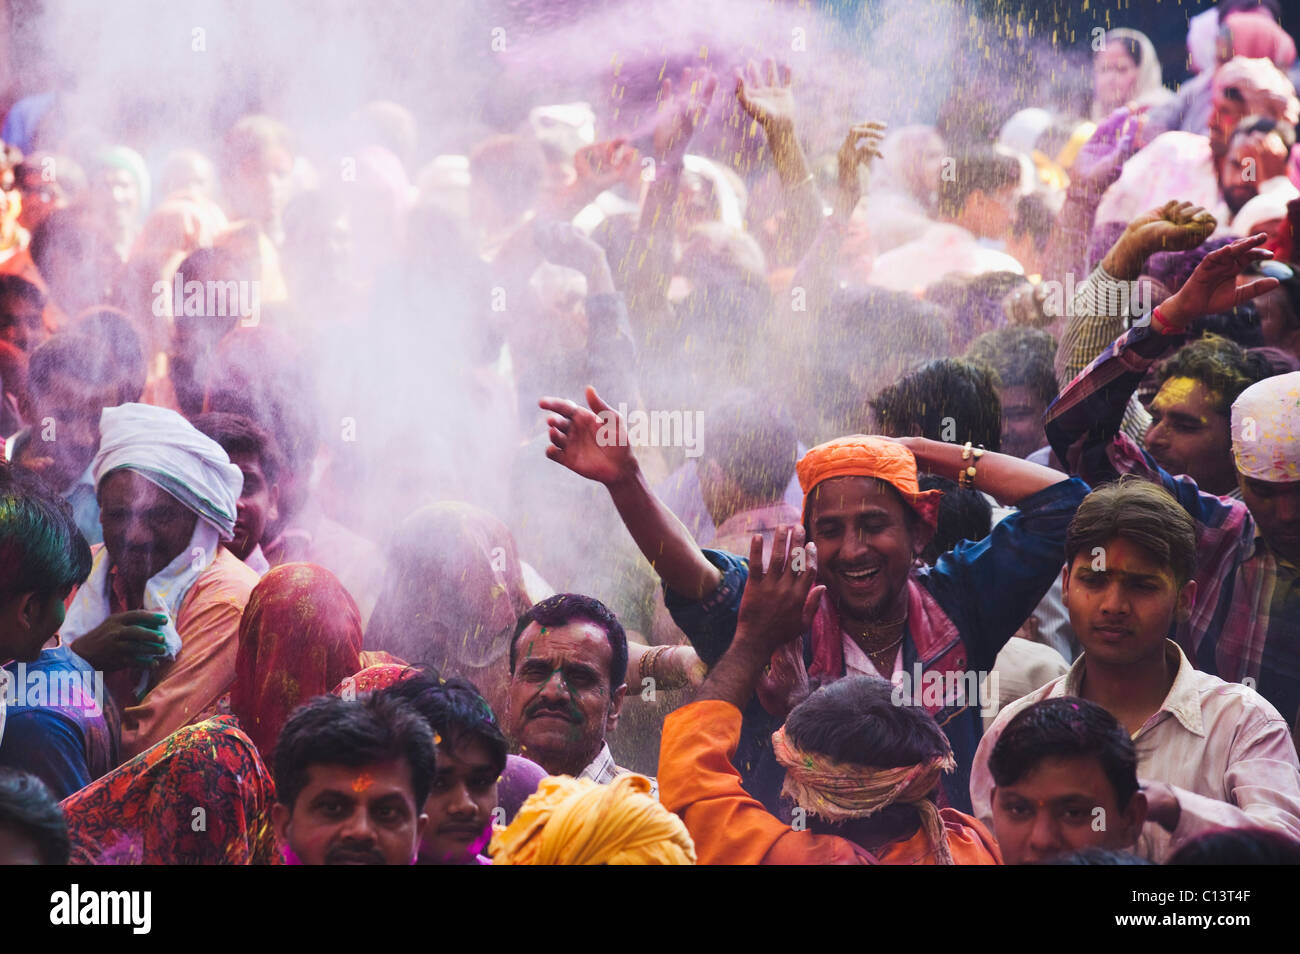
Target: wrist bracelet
x,y
966,476
1159,322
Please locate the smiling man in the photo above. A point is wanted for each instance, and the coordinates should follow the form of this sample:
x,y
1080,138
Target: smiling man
x,y
884,614
568,666
1211,754
351,779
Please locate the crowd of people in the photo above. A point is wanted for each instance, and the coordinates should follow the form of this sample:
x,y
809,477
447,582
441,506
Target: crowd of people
x,y
953,480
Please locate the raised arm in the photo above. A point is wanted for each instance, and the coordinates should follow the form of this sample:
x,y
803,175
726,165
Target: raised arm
x,y
767,99
1008,479
593,442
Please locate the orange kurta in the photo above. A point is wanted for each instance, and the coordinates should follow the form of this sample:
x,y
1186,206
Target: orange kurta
x,y
208,623
699,783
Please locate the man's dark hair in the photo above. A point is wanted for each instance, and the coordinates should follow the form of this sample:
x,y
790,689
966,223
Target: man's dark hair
x,y
41,549
1020,357
963,515
117,340
564,608
28,809
1251,125
333,731
754,442
1066,728
1224,367
980,170
1239,846
455,711
855,720
1141,512
17,287
74,355
238,434
1035,218
949,399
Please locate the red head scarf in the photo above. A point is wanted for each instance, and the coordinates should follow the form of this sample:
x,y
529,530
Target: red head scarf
x,y
300,635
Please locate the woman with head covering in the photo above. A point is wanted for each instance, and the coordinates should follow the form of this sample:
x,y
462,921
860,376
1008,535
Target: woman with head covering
x,y
454,592
147,810
1126,70
299,636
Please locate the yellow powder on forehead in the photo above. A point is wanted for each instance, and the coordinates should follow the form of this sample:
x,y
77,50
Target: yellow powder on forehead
x,y
1180,390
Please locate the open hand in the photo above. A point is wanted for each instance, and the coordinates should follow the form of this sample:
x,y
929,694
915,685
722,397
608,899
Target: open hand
x,y
591,441
1213,287
780,601
1174,227
767,99
860,146
1102,158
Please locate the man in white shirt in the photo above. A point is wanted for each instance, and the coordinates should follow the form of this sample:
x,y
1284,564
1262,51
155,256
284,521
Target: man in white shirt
x,y
1211,754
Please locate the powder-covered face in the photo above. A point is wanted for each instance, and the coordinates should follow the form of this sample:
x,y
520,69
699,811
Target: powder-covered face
x,y
145,527
561,702
460,802
1060,806
1189,436
348,815
865,546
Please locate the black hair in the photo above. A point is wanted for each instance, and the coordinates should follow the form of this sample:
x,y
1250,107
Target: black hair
x,y
117,340
333,731
945,400
963,515
855,720
28,808
564,608
1239,846
455,711
1221,365
1020,357
980,170
77,356
15,286
41,549
754,442
238,434
1066,728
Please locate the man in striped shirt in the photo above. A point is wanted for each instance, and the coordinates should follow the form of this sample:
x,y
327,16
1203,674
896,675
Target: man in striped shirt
x,y
1247,611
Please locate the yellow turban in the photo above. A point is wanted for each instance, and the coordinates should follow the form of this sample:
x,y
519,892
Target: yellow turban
x,y
573,821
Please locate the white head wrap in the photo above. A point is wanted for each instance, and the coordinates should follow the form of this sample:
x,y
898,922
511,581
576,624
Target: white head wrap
x,y
164,448
1266,429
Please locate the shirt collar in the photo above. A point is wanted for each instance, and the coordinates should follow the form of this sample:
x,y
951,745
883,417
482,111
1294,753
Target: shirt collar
x,y
602,768
1183,701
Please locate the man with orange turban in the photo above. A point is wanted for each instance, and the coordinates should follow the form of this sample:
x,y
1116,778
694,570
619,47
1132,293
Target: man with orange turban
x,y
932,630
862,772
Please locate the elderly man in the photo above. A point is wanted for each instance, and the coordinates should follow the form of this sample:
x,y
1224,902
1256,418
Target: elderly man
x,y
885,615
568,672
863,773
1243,623
160,612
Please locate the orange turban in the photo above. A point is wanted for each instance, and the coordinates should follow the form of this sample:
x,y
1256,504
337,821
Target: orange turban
x,y
861,456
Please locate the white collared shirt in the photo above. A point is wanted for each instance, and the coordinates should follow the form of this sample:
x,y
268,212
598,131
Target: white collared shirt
x,y
1222,746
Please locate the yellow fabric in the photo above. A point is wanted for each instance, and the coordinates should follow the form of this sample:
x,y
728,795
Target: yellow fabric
x,y
572,821
840,791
